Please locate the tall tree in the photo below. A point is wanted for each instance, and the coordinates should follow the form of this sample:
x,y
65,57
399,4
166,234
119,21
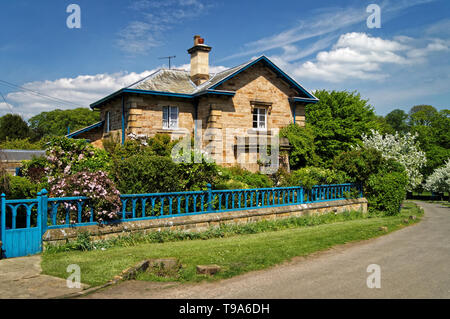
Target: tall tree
x,y
397,119
338,121
433,136
12,126
422,115
55,123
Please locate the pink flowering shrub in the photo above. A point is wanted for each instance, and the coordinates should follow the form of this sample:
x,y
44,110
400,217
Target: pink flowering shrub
x,y
101,191
68,156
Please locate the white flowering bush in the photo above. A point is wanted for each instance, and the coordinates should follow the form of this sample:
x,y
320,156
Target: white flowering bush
x,y
439,181
401,148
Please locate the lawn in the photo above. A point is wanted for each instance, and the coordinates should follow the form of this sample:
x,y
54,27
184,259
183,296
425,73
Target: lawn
x,y
236,254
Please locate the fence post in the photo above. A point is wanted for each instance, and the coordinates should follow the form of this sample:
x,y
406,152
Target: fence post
x,y
209,197
301,195
44,210
3,223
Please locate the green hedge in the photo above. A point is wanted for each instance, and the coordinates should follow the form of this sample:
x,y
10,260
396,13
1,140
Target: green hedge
x,y
386,191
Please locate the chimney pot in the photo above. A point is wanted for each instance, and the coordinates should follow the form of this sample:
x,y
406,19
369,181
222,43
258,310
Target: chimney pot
x,y
199,60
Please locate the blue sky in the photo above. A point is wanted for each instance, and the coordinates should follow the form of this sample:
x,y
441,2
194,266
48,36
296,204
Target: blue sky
x,y
322,44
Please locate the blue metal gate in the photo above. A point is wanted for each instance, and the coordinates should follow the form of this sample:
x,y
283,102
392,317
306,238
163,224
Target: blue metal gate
x,y
21,227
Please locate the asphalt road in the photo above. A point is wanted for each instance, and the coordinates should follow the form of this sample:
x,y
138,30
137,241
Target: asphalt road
x,y
414,263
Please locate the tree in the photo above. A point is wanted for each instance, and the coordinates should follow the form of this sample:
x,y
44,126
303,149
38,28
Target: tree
x,y
401,148
439,181
422,115
397,119
301,139
55,123
12,126
433,136
338,120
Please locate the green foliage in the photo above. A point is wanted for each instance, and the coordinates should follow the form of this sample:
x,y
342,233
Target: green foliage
x,y
386,191
338,120
66,156
308,177
12,127
21,144
397,120
22,188
4,181
421,115
145,174
237,177
433,136
359,164
384,181
301,139
194,176
158,145
55,123
34,169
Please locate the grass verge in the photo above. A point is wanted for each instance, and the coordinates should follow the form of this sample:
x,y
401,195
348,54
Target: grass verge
x,y
236,254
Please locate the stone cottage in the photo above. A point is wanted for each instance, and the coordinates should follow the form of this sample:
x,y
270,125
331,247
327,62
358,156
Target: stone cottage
x,y
255,98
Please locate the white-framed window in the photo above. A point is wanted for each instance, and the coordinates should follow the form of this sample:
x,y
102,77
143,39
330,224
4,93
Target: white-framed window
x,y
107,122
259,118
170,117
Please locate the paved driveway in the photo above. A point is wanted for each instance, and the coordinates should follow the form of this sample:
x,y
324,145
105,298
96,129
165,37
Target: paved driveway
x,y
414,263
21,278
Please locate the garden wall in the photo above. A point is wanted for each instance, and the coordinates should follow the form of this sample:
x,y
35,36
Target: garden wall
x,y
202,222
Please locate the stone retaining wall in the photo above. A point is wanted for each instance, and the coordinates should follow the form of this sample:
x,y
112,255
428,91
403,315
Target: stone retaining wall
x,y
202,222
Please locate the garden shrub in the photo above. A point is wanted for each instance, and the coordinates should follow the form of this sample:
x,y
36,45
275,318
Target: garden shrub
x,y
193,176
21,144
307,177
4,181
385,191
237,177
66,156
22,188
146,174
383,180
359,164
34,169
102,192
301,138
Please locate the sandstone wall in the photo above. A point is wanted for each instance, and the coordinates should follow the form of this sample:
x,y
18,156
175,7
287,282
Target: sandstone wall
x,y
202,222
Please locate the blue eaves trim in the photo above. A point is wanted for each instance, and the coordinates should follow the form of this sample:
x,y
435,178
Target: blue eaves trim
x,y
303,99
274,67
160,93
86,129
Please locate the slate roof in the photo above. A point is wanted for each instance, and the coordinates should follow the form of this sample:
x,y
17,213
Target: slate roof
x,y
164,80
19,155
176,81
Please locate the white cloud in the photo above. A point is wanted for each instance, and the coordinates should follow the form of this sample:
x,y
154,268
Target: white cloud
x,y
360,56
323,22
140,36
80,91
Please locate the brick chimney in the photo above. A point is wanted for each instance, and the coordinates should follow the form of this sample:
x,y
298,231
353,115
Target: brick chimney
x,y
199,61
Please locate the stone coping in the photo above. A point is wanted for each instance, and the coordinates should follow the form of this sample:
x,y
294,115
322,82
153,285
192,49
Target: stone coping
x,y
203,221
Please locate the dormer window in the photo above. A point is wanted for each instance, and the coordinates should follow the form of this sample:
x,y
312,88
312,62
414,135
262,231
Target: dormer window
x,y
170,117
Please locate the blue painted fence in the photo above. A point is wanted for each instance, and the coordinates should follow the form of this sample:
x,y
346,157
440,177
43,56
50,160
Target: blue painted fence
x,y
24,221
